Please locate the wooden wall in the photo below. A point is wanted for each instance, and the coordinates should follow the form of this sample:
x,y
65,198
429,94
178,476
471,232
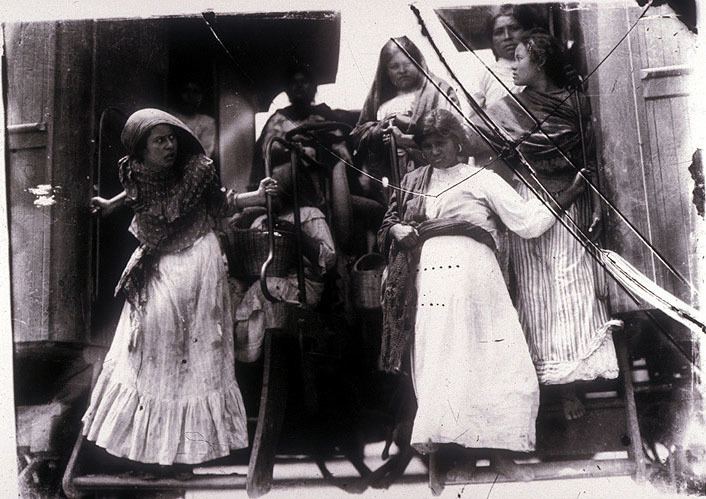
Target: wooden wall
x,y
639,95
61,77
49,142
28,117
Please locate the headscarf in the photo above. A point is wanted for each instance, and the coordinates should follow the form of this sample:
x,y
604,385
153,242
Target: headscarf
x,y
382,89
432,94
141,122
193,173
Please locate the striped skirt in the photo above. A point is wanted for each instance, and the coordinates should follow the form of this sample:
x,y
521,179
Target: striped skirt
x,y
562,302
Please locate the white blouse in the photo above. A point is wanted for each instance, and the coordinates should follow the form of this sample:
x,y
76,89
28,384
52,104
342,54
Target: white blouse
x,y
400,104
481,196
490,90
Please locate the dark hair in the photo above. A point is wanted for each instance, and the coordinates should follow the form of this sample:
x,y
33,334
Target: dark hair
x,y
387,89
546,51
444,123
298,68
523,14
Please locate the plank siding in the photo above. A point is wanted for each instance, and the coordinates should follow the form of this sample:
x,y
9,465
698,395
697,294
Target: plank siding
x,y
619,138
72,165
640,96
29,116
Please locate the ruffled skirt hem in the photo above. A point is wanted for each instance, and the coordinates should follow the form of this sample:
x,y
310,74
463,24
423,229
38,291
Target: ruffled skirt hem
x,y
151,430
599,361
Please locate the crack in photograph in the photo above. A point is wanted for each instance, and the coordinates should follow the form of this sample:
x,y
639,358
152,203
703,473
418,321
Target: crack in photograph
x,y
238,234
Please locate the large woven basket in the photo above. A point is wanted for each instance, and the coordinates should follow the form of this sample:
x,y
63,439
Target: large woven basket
x,y
366,280
248,248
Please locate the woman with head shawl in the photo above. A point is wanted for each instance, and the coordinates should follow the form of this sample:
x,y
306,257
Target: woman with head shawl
x,y
474,380
400,94
167,391
562,310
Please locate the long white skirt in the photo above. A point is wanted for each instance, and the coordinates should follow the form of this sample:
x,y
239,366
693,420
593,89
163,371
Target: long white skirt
x,y
473,375
167,392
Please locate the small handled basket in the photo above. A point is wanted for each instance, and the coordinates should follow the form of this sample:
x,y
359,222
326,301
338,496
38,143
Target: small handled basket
x,y
247,250
366,280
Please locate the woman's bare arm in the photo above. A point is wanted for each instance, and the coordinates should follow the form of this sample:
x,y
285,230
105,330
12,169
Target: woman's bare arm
x,y
105,207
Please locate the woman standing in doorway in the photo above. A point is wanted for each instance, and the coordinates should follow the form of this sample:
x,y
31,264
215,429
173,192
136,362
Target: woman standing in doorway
x,y
400,94
167,392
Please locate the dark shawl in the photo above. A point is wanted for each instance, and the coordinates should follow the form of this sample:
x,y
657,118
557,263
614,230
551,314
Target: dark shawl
x,y
558,114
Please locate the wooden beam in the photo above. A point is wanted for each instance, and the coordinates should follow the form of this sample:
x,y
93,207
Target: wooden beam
x,y
553,470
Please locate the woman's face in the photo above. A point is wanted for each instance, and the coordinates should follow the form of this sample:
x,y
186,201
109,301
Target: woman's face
x,y
300,89
506,36
524,71
402,72
440,151
191,96
161,148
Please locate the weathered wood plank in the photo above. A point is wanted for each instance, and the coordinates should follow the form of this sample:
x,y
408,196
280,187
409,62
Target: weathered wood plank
x,y
671,185
72,165
273,402
612,93
30,47
665,88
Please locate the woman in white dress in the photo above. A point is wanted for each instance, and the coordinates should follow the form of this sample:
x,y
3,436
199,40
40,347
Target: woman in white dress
x,y
167,392
474,380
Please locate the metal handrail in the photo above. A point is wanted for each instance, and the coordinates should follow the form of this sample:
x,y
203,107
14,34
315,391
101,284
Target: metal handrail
x,y
388,138
295,150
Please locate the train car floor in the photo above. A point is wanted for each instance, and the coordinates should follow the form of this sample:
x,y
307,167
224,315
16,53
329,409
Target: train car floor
x,y
606,441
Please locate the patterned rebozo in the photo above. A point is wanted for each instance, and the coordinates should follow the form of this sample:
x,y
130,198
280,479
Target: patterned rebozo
x,y
173,209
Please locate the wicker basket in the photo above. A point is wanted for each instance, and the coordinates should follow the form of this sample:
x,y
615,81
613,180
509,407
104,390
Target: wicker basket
x,y
248,248
366,280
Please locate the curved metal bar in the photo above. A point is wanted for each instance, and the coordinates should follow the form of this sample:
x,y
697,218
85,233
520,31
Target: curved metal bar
x,y
389,139
317,127
301,295
270,219
96,192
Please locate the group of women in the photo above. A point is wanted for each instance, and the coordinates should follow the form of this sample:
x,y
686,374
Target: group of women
x,y
477,359
167,392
